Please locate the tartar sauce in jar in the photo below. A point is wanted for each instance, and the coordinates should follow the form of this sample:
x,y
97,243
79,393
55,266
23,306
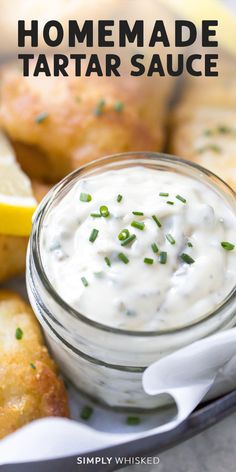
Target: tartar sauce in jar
x,y
140,249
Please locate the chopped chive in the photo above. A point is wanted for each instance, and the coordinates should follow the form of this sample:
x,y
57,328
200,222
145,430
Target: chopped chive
x,y
41,117
207,132
99,274
130,313
124,234
119,106
170,238
163,257
123,258
107,260
19,334
93,235
85,197
86,413
154,247
156,221
148,260
224,129
32,365
227,246
100,107
96,215
209,147
133,420
137,213
84,281
170,203
182,199
138,224
129,240
190,244
104,211
119,198
163,194
186,258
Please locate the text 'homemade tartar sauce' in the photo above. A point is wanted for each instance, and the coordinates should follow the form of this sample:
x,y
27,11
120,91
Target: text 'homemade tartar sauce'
x,y
141,249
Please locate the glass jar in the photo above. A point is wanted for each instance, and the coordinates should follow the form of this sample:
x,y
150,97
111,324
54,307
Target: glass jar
x,y
103,362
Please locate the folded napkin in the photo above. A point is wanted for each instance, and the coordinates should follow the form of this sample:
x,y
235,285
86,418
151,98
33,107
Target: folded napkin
x,y
204,369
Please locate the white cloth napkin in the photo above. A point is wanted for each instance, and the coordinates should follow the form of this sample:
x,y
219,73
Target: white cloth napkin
x,y
204,368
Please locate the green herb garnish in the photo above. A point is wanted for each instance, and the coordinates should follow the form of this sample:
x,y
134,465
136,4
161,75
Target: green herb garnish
x,y
85,197
170,203
207,132
123,258
32,365
209,147
190,244
148,260
186,258
156,221
104,211
124,234
86,413
41,117
129,240
119,198
96,215
138,224
163,257
154,247
93,235
133,420
100,107
119,106
227,246
182,199
170,238
19,334
163,194
137,213
107,260
84,281
224,129
99,274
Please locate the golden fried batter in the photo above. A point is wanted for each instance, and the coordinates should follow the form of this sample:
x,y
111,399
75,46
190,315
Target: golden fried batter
x,y
12,256
57,124
203,126
29,384
12,248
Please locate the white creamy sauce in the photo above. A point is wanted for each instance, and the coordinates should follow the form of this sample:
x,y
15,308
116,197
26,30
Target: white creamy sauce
x,y
138,295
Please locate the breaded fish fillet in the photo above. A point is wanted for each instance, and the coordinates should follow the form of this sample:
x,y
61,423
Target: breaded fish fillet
x,y
57,124
13,248
203,125
208,137
29,384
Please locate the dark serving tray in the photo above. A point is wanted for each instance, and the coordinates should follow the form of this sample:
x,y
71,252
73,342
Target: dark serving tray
x,y
202,418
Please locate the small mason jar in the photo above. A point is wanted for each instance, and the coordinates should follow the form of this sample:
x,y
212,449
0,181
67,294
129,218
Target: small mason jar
x,y
103,362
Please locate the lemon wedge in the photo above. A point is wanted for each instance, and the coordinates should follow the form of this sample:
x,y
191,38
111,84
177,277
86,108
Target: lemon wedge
x,y
209,10
17,203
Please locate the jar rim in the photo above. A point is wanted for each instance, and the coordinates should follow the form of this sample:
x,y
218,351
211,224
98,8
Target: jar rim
x,y
127,158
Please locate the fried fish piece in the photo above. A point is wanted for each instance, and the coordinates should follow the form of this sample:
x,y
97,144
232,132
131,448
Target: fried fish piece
x,y
203,125
57,124
208,137
30,387
13,248
12,255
